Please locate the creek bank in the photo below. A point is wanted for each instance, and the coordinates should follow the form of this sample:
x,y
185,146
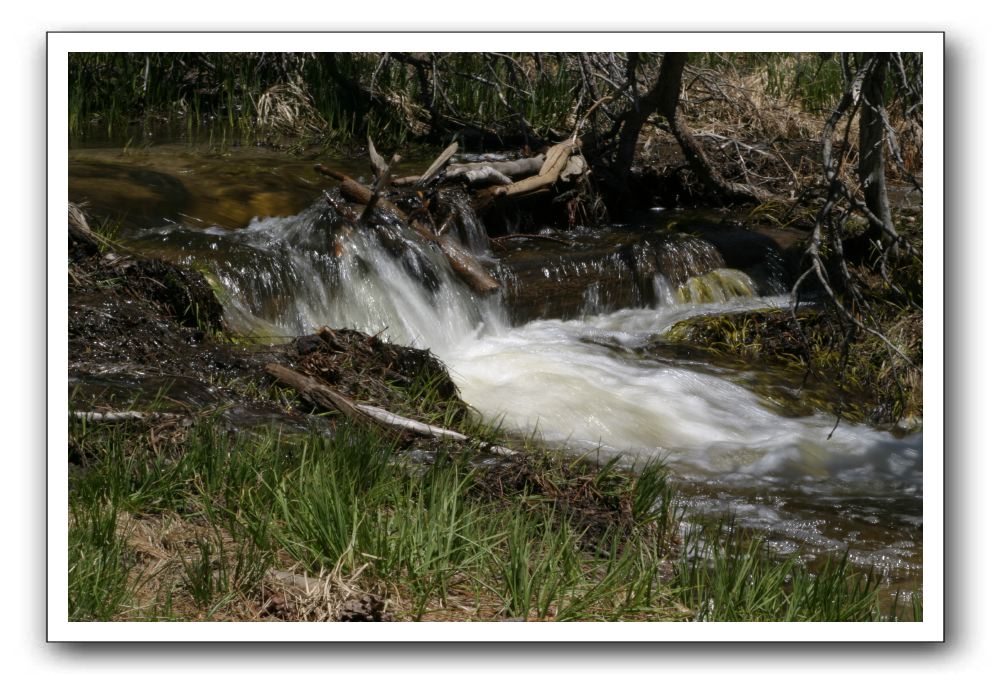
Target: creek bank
x,y
147,336
150,333
875,386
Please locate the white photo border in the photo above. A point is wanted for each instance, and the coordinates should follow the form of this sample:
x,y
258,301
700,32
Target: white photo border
x,y
60,44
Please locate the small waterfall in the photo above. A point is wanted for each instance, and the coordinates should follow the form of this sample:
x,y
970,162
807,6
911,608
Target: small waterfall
x,y
719,285
467,229
291,275
565,349
604,276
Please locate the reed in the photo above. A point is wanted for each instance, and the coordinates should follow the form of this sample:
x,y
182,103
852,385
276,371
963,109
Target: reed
x,y
299,99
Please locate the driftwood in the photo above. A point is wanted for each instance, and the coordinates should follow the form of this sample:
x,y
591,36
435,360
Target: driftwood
x,y
358,193
485,175
550,171
514,168
114,417
481,173
527,177
438,164
464,264
323,396
557,165
379,167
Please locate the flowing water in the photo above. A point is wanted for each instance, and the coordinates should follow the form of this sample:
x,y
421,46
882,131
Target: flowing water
x,y
573,349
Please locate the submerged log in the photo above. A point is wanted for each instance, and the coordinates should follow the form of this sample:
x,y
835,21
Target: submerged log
x,y
464,264
324,396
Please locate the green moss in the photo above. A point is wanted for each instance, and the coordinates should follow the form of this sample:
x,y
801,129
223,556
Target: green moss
x,y
867,383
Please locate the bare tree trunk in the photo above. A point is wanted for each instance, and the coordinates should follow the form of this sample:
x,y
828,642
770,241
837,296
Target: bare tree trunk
x,y
664,97
870,169
669,90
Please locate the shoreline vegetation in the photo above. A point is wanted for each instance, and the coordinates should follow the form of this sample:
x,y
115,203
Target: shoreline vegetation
x,y
198,514
265,506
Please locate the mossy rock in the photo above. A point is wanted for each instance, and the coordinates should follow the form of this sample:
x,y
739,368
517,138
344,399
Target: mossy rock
x,y
869,382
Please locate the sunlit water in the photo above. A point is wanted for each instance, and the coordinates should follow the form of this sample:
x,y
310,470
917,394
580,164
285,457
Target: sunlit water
x,y
587,383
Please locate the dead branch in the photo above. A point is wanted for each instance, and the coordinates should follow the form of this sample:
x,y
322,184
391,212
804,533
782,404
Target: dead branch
x,y
472,170
438,164
550,171
114,417
358,193
379,167
327,398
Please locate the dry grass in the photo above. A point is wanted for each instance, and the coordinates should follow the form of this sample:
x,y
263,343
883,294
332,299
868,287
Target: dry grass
x,y
166,546
288,110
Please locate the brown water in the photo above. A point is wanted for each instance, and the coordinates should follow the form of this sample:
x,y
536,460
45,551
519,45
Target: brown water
x,y
193,188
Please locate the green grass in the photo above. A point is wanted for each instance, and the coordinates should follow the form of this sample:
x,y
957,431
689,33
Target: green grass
x,y
730,577
100,564
187,528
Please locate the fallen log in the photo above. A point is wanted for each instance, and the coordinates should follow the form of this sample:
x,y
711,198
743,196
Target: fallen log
x,y
323,396
511,169
485,175
550,171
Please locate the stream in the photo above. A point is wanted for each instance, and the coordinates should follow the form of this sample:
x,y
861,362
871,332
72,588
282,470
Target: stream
x,y
571,350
